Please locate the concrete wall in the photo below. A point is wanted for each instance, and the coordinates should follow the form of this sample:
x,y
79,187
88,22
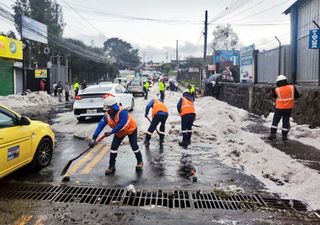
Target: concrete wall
x,y
258,99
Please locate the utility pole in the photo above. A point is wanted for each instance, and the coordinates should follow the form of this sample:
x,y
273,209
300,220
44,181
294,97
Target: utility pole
x,y
279,63
177,55
317,25
204,63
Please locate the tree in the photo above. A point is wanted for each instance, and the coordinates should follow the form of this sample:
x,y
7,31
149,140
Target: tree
x,y
125,54
224,38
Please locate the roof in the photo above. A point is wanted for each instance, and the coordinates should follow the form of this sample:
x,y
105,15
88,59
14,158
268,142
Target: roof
x,y
296,4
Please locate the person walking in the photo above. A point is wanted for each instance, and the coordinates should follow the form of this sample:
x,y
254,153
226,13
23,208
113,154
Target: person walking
x,y
285,95
159,115
42,85
54,86
162,88
60,90
145,89
122,124
187,112
172,87
67,91
76,88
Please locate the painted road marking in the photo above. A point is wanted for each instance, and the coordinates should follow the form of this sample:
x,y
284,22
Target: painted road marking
x,y
24,219
75,168
95,161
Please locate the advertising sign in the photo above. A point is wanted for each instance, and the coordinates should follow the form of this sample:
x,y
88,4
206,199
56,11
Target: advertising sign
x,y
41,73
314,39
10,48
226,56
247,64
33,30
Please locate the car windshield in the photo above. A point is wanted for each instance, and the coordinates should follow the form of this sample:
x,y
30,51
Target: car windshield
x,y
97,89
135,83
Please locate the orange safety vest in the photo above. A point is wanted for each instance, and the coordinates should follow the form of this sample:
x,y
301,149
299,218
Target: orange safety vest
x,y
285,97
158,106
187,107
127,129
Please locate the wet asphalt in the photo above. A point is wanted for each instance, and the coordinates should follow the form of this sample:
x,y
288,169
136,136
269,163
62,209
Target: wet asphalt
x,y
161,171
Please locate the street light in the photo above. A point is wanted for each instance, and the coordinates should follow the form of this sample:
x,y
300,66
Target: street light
x,y
279,69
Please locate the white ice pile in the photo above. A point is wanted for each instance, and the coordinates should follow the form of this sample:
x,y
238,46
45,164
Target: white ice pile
x,y
30,100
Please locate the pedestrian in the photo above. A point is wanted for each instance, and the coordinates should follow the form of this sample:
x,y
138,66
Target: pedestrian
x,y
285,95
54,86
42,84
192,91
122,124
172,87
162,88
159,115
83,84
145,89
59,90
67,91
76,88
187,112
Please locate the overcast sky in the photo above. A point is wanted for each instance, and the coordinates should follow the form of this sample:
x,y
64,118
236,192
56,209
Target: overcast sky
x,y
153,26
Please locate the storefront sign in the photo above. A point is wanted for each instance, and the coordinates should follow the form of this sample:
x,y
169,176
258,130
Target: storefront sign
x,y
10,48
314,39
41,73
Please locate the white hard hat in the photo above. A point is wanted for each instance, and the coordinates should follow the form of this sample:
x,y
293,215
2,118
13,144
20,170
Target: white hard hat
x,y
281,77
110,101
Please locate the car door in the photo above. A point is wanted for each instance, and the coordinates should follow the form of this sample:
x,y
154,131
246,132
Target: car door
x,y
15,143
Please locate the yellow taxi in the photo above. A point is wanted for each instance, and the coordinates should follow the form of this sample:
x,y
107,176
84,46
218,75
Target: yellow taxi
x,y
23,141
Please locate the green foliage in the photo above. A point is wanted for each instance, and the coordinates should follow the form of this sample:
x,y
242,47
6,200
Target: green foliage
x,y
194,62
121,50
224,38
166,68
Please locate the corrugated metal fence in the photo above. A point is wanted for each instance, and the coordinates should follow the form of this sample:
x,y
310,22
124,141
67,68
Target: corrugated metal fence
x,y
268,64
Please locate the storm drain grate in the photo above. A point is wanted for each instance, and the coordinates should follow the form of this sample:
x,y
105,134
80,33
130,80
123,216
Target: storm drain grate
x,y
89,195
232,202
29,192
153,198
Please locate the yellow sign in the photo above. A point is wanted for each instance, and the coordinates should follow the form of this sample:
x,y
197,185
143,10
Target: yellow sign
x,y
40,74
10,48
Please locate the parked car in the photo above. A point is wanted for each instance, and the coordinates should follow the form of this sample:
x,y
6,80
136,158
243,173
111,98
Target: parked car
x,y
23,141
89,103
136,87
121,80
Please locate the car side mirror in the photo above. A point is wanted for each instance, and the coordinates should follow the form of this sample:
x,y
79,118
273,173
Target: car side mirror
x,y
24,121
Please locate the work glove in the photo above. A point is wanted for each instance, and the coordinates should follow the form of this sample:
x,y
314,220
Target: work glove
x,y
107,134
92,143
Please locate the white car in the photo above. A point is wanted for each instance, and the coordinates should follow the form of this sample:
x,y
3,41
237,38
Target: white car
x,y
89,103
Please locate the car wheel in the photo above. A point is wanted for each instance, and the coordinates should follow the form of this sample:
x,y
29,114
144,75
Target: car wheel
x,y
43,155
132,105
81,119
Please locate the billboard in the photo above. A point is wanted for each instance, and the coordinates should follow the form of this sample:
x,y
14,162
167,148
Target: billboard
x,y
247,64
41,73
314,39
221,56
34,30
10,48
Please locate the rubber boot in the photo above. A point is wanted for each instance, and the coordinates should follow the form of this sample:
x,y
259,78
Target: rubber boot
x,y
110,171
272,136
161,140
112,164
147,139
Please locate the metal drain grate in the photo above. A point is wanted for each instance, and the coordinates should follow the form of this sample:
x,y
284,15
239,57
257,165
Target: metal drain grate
x,y
169,199
29,192
234,202
179,199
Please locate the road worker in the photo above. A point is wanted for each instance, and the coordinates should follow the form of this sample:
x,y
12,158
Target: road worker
x,y
285,95
146,89
76,88
122,125
162,88
159,115
187,112
192,91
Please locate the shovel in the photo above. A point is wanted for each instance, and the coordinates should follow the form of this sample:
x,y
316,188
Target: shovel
x,y
156,128
65,169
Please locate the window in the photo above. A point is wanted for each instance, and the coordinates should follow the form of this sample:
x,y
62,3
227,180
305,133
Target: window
x,y
7,119
118,89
